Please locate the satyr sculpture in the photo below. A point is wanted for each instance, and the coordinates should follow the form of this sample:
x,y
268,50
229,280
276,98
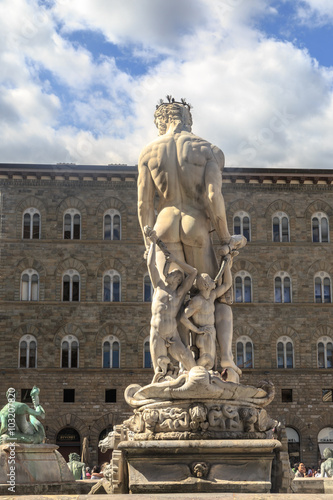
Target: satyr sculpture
x,y
186,172
199,317
18,421
77,468
326,467
169,294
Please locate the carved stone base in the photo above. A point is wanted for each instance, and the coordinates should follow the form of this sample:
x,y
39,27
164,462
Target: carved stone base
x,y
34,469
196,420
199,465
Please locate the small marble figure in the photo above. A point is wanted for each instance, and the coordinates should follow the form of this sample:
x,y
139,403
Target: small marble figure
x,y
199,314
77,468
326,467
169,294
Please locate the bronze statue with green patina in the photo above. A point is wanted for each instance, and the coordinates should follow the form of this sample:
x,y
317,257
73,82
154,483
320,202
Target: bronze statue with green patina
x,y
18,422
77,468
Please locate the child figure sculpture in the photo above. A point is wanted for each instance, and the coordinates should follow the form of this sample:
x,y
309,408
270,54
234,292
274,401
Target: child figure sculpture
x,y
199,314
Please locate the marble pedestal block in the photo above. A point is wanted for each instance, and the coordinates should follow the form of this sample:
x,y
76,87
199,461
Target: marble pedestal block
x,y
199,465
34,469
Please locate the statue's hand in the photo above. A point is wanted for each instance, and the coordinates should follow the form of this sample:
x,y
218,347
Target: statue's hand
x,y
227,258
150,233
40,410
169,257
207,329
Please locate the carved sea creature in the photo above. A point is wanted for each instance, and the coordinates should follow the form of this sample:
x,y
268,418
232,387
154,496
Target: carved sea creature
x,y
199,384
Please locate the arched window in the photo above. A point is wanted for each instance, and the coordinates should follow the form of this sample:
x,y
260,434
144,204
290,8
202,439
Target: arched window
x,y
325,352
285,353
31,224
72,224
243,287
244,352
112,225
111,352
282,287
29,285
320,229
147,362
242,224
28,352
281,227
111,286
69,352
322,288
293,445
325,439
148,289
71,286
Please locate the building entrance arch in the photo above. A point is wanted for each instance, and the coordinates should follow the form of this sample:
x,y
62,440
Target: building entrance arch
x,y
293,445
69,441
104,457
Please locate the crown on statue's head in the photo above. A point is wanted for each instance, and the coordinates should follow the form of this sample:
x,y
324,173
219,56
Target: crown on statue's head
x,y
171,100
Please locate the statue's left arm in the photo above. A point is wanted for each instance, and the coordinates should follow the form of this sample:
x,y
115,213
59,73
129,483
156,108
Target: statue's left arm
x,y
213,185
146,192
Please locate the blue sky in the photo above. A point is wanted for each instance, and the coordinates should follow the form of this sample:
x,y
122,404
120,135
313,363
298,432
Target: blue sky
x,y
80,78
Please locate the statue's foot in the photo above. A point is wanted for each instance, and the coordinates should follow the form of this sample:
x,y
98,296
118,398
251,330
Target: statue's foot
x,y
231,364
158,377
230,375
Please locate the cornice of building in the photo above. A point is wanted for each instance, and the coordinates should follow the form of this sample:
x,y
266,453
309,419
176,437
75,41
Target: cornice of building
x,y
68,172
248,175
123,172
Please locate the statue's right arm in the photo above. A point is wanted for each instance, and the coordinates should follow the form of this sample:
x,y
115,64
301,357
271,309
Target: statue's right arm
x,y
190,310
146,192
213,185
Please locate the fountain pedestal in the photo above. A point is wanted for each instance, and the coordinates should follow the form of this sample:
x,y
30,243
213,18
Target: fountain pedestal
x,y
199,465
34,469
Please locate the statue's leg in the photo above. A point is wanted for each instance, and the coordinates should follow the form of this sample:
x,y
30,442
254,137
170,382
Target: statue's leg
x,y
158,352
206,360
181,353
207,350
224,331
184,334
202,258
176,249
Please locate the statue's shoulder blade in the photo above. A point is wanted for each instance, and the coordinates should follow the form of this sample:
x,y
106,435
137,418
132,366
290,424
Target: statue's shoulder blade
x,y
219,155
152,148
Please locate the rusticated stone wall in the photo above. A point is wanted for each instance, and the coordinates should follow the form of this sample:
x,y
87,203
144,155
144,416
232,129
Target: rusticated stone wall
x,y
91,319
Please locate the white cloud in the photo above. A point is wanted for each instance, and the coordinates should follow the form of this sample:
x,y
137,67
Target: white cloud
x,y
264,102
155,24
316,12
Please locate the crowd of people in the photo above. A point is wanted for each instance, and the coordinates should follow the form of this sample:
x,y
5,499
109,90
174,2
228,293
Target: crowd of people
x,y
300,470
96,472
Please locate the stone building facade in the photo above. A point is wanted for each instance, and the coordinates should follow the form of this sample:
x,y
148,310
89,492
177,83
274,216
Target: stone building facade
x,y
74,296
